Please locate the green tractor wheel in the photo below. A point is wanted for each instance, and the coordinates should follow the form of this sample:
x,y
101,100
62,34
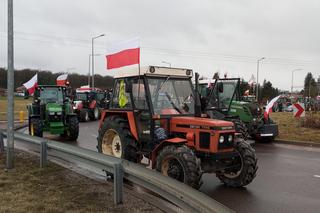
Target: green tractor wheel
x,y
35,127
72,132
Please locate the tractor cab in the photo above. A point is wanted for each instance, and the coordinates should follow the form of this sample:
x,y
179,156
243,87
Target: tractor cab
x,y
153,114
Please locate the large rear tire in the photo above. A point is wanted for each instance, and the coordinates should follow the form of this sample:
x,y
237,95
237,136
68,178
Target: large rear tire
x,y
243,174
180,163
35,127
72,132
115,139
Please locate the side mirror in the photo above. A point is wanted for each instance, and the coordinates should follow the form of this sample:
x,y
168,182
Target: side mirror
x,y
220,87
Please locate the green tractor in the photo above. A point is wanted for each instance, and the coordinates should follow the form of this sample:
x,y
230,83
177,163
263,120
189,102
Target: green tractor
x,y
51,111
222,100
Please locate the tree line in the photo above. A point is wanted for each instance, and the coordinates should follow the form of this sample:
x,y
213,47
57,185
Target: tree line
x,y
48,78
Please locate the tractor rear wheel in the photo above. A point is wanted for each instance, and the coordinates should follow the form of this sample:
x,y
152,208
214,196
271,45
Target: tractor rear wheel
x,y
180,163
84,115
242,129
35,127
72,132
115,139
245,172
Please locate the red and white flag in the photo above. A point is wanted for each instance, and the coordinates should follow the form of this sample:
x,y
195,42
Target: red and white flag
x,y
124,53
252,81
269,107
62,80
31,84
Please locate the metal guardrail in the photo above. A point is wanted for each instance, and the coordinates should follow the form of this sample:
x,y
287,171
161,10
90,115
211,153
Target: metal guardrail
x,y
185,197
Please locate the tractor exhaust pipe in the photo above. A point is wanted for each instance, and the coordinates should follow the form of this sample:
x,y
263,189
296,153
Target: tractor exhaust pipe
x,y
197,103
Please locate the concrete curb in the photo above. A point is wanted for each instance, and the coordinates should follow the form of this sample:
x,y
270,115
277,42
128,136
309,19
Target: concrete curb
x,y
297,143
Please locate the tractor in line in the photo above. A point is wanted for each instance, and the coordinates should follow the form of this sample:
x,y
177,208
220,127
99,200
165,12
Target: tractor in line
x,y
51,111
88,103
155,113
221,99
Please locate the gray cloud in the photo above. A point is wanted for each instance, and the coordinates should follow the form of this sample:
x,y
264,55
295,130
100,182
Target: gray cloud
x,y
208,36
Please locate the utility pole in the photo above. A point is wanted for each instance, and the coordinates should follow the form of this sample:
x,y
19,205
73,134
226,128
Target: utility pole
x,y
257,87
10,88
292,79
89,70
92,53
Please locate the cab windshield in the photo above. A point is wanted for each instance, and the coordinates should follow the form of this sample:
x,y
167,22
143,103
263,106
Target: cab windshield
x,y
171,95
51,95
222,99
81,97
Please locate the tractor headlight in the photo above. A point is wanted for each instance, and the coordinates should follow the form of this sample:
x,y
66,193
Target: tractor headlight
x,y
59,113
221,139
230,138
51,113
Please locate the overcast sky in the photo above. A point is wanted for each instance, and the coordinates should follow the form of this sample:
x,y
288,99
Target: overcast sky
x,y
208,35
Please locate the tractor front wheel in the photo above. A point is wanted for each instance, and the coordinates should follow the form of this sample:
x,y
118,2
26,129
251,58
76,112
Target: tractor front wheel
x,y
35,127
72,132
116,140
84,115
94,114
180,163
243,169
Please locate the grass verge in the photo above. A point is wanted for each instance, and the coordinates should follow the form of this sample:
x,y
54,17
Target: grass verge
x,y
28,188
291,128
20,104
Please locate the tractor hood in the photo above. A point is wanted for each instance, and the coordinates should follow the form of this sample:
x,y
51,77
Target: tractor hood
x,y
53,107
202,123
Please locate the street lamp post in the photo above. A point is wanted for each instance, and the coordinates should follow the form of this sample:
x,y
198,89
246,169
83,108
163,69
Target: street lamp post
x,y
92,53
10,87
292,79
89,68
257,87
165,62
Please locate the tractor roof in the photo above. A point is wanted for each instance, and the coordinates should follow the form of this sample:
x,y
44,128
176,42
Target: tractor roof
x,y
153,71
87,89
55,86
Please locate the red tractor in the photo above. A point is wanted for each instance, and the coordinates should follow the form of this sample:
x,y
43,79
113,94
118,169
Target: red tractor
x,y
86,104
155,113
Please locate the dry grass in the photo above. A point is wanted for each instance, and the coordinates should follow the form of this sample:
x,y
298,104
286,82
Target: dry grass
x,y
20,104
291,128
28,188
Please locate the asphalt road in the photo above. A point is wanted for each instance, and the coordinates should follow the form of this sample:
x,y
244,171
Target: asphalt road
x,y
288,178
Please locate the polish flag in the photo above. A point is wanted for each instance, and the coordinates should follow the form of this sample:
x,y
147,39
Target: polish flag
x,y
32,84
124,53
62,80
269,107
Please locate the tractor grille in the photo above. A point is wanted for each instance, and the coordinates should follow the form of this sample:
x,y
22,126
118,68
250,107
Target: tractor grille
x,y
226,144
54,118
204,140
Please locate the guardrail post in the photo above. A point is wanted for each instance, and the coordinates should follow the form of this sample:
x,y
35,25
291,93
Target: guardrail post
x,y
118,183
1,142
43,154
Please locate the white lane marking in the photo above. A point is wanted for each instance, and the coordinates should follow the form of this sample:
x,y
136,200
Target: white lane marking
x,y
316,176
94,136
